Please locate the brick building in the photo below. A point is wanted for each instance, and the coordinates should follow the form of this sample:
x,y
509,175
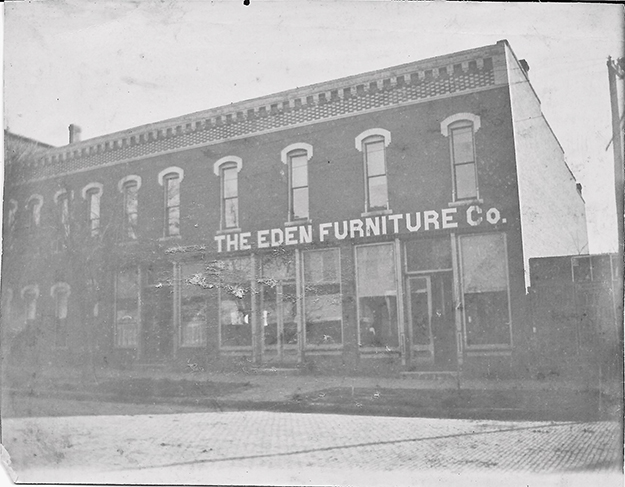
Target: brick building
x,y
380,222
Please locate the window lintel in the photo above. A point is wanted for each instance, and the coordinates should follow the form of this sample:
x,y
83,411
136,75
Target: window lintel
x,y
224,160
128,179
97,186
458,117
385,134
170,170
284,155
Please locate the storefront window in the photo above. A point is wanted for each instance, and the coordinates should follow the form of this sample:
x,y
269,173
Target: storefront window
x,y
377,295
235,302
127,308
322,297
193,305
279,299
485,290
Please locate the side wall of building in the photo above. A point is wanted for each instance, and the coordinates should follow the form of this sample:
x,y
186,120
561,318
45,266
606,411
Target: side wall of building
x,y
553,215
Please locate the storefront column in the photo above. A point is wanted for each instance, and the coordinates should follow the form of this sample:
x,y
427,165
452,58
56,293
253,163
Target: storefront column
x,y
400,302
256,324
177,284
350,313
457,301
140,349
299,292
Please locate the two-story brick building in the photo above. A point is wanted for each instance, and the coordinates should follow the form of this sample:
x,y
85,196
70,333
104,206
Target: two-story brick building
x,y
383,221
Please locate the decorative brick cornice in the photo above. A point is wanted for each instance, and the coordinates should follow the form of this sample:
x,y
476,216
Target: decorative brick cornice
x,y
445,75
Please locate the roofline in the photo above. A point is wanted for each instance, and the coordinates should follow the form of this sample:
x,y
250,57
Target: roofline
x,y
28,140
284,96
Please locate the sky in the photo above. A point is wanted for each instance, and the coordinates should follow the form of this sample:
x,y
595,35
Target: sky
x,y
111,65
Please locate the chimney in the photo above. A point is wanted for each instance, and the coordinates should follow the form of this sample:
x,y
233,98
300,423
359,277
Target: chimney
x,y
524,65
74,133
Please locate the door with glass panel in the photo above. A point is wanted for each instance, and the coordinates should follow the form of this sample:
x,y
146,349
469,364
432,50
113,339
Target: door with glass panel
x,y
420,316
279,308
430,310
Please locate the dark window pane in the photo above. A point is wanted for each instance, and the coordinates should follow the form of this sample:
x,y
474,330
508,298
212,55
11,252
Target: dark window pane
x,y
378,321
231,212
581,269
466,182
378,193
173,221
300,203
173,192
419,308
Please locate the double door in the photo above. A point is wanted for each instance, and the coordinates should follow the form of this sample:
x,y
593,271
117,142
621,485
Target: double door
x,y
279,312
430,321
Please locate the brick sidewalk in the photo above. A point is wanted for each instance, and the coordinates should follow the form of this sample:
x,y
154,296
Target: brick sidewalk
x,y
188,447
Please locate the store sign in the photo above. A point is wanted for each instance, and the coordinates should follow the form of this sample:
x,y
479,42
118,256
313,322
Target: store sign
x,y
373,226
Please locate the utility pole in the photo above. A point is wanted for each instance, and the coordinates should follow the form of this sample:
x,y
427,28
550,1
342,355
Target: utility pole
x,y
616,69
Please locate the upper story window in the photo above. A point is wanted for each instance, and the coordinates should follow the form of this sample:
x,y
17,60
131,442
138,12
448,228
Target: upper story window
x,y
129,187
461,128
227,168
170,179
33,211
92,194
11,214
62,199
373,143
30,294
296,157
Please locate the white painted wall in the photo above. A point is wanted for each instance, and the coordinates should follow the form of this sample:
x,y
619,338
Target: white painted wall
x,y
553,214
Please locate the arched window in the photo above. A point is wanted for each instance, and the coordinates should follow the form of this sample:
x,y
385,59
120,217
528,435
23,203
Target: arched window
x,y
30,294
296,157
62,199
170,178
92,193
60,294
461,128
11,214
33,211
129,187
227,168
372,143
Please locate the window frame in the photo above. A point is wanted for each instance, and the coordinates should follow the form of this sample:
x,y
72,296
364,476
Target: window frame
x,y
491,346
137,324
92,194
368,137
305,286
164,177
33,211
286,156
224,164
398,290
62,200
448,125
179,279
123,185
30,290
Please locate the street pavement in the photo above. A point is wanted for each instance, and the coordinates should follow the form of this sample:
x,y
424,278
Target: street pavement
x,y
258,447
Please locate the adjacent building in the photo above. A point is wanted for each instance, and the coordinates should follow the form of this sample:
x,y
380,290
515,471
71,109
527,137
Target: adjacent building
x,y
382,222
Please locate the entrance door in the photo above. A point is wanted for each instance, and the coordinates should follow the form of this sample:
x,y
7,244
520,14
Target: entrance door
x,y
157,324
431,321
278,313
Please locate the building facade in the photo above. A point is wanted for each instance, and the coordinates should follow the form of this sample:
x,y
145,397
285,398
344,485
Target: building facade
x,y
381,222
